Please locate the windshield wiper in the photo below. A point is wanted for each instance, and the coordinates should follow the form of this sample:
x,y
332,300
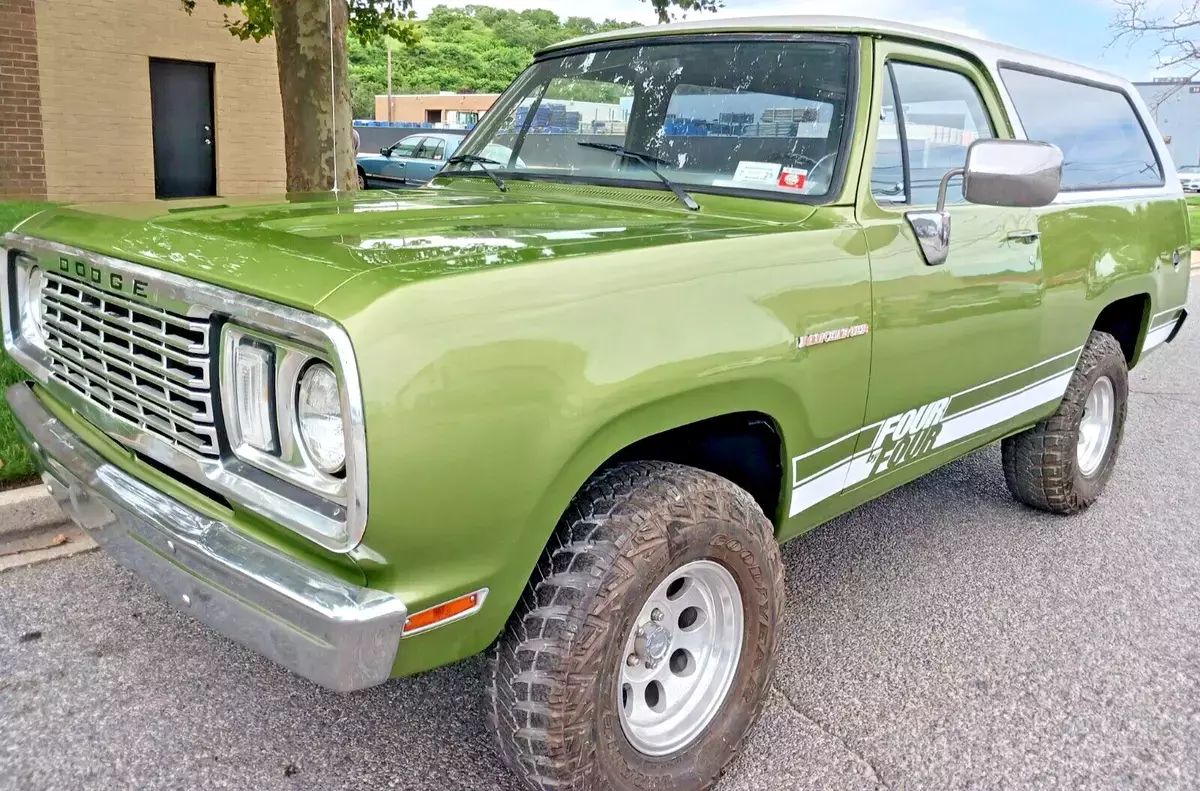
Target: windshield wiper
x,y
475,159
648,161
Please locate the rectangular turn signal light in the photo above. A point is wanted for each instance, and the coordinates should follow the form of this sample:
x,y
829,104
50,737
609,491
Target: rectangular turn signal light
x,y
446,612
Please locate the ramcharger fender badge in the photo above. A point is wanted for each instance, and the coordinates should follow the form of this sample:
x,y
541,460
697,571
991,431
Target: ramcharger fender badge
x,y
840,334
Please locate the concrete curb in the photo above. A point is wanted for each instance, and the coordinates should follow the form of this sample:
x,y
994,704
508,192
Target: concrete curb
x,y
40,547
30,523
27,509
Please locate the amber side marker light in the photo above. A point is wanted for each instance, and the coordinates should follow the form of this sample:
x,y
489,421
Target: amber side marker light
x,y
446,612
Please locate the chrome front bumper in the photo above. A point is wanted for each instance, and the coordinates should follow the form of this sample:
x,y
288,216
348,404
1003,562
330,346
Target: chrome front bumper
x,y
336,634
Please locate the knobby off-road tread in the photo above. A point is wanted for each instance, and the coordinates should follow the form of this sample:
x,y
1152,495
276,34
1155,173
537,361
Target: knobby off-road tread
x,y
544,667
1040,464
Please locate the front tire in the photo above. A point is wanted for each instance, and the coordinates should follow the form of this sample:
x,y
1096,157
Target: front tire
x,y
661,580
1062,464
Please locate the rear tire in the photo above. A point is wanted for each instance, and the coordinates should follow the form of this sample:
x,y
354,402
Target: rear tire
x,y
362,179
559,674
1062,464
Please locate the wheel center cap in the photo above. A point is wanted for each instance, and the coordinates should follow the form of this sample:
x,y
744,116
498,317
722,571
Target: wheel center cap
x,y
657,641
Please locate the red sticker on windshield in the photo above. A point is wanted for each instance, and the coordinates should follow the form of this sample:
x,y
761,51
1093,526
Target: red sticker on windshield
x,y
793,178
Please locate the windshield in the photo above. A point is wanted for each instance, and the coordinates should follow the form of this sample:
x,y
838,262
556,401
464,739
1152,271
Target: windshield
x,y
722,115
1190,169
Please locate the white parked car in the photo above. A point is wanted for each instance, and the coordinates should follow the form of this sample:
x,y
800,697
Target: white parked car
x,y
1189,177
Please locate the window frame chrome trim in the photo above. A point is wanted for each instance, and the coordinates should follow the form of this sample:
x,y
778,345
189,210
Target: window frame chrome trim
x,y
338,527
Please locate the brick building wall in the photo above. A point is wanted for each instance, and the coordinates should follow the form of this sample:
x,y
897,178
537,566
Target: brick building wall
x,y
94,62
415,107
22,166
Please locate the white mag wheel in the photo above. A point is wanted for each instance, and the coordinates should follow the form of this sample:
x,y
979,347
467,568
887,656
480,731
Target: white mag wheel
x,y
1096,426
681,658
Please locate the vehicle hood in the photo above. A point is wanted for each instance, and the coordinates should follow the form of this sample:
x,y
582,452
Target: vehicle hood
x,y
297,250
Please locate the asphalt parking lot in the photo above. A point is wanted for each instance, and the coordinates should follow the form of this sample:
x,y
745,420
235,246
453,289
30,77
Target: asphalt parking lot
x,y
942,637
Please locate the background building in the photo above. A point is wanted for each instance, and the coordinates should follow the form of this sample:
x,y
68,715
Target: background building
x,y
453,109
1175,105
132,100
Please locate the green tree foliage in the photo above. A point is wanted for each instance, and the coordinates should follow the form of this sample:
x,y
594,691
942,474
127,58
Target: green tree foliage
x,y
369,20
663,7
476,49
372,20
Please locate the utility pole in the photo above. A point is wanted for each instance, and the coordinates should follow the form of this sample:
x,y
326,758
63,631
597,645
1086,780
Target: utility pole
x,y
391,113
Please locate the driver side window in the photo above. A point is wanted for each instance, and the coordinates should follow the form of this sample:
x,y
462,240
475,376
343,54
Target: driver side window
x,y
430,148
407,147
930,117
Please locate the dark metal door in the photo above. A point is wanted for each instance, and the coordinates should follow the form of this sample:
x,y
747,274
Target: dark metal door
x,y
181,110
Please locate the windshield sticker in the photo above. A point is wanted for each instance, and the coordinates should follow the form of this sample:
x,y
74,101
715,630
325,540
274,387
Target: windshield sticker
x,y
793,178
758,172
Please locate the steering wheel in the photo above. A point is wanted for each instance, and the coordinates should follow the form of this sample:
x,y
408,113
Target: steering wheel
x,y
820,175
792,158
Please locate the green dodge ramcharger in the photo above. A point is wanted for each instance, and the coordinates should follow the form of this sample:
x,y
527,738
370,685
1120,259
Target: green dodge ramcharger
x,y
564,403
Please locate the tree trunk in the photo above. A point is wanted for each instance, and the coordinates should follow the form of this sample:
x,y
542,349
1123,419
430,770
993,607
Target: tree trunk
x,y
313,79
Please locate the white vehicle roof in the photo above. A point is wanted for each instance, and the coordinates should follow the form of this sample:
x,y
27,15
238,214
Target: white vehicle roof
x,y
989,52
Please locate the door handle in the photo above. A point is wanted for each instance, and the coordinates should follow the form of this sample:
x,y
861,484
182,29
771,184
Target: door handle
x,y
1024,237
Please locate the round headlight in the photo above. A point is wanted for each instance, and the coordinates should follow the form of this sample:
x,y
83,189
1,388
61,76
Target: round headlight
x,y
319,416
33,326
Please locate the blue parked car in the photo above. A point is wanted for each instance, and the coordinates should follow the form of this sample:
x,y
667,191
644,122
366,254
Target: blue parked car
x,y
411,161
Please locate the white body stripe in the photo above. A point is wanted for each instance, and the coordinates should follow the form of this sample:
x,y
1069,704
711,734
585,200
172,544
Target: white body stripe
x,y
858,467
985,416
820,487
1073,353
1158,336
837,441
1165,312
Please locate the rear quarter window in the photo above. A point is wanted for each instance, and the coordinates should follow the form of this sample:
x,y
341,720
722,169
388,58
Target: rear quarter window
x,y
1103,141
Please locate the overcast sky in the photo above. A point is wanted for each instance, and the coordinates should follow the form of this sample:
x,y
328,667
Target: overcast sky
x,y
1077,30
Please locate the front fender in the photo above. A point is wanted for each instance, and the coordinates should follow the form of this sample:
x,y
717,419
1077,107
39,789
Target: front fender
x,y
495,440
491,397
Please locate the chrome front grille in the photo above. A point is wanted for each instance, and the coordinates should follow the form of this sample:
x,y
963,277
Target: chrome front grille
x,y
141,363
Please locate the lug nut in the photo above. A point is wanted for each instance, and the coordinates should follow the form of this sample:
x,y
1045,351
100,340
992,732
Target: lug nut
x,y
657,615
631,660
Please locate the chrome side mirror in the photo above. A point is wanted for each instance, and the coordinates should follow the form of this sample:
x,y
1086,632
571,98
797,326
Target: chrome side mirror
x,y
1016,173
